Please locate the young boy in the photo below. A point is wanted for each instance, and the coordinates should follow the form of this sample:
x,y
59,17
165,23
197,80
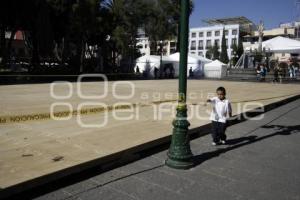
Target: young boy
x,y
221,108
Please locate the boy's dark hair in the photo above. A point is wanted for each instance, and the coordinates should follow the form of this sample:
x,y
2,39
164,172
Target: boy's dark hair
x,y
222,89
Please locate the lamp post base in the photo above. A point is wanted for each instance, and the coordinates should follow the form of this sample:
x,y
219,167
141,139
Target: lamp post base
x,y
180,155
180,164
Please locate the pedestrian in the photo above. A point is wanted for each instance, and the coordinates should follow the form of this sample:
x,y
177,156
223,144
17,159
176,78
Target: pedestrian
x,y
263,73
280,73
296,72
276,74
290,70
191,72
258,76
137,70
221,108
155,72
283,69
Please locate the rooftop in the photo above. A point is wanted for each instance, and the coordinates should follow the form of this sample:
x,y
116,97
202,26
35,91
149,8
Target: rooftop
x,y
229,20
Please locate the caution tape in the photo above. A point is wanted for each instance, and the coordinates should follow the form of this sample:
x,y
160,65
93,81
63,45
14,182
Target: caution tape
x,y
60,114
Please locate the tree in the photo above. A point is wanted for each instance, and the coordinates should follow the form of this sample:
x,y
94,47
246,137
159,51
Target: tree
x,y
176,16
224,55
240,48
65,31
160,23
215,51
14,15
209,53
126,18
234,48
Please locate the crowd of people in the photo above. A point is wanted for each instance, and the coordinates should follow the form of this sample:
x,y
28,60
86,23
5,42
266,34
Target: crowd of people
x,y
279,73
168,72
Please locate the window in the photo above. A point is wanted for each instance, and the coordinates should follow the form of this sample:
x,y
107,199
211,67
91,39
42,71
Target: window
x,y
200,45
217,33
193,45
208,34
140,46
234,32
173,44
226,32
146,46
193,35
200,53
201,34
208,44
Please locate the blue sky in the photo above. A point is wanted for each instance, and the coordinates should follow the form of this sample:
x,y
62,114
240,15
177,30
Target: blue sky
x,y
272,12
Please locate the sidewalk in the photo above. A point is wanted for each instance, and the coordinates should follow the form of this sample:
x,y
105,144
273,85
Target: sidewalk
x,y
261,161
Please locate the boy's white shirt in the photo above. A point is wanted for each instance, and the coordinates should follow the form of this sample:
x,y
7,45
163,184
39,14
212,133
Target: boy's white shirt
x,y
221,108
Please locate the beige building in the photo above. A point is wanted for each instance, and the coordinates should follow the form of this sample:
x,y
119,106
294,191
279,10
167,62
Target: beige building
x,y
281,31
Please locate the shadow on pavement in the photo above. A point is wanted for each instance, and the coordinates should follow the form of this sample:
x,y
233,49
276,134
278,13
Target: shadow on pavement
x,y
240,142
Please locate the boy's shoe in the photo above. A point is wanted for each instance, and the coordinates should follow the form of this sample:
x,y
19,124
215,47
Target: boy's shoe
x,y
223,142
214,144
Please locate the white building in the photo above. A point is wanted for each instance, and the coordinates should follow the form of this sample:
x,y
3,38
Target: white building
x,y
143,44
201,39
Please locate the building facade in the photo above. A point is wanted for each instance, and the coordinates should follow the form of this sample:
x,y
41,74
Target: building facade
x,y
202,39
143,44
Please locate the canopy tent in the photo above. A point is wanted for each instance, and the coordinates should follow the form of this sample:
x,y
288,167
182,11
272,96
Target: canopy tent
x,y
279,45
195,62
215,69
147,64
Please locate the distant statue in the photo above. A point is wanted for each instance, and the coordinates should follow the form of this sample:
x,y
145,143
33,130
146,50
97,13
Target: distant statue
x,y
260,35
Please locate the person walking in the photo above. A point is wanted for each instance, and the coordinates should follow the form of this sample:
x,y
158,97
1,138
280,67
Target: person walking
x,y
276,74
221,109
290,70
191,73
258,73
263,73
155,72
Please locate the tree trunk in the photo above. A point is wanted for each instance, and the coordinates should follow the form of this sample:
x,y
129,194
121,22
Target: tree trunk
x,y
2,44
82,55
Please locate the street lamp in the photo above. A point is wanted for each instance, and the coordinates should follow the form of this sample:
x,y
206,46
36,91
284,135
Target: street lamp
x,y
180,155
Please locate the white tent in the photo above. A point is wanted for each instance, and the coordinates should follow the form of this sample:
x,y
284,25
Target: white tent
x,y
195,62
146,64
215,69
279,45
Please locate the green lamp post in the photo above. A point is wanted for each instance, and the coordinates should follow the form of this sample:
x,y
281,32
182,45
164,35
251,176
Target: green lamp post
x,y
180,155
